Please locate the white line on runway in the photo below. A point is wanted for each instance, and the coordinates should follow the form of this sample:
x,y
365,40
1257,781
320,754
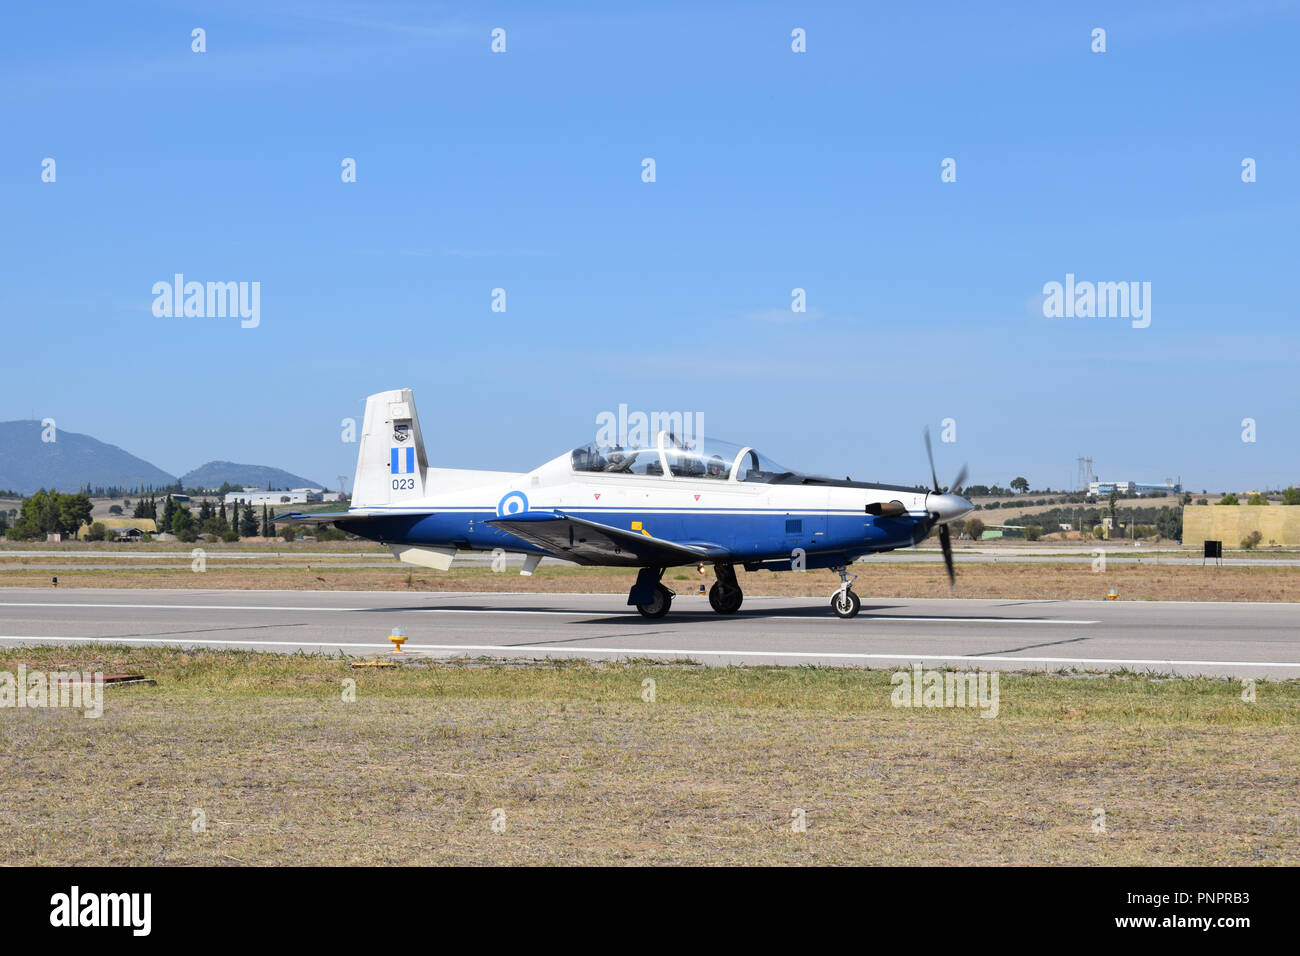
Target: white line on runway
x,y
495,610
662,651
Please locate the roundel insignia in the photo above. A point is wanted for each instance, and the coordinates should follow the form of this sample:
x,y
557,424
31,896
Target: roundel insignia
x,y
512,503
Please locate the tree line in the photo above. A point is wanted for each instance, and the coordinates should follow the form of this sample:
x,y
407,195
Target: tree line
x,y
52,512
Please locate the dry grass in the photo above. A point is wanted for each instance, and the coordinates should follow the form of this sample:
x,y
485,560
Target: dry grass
x,y
588,773
1004,580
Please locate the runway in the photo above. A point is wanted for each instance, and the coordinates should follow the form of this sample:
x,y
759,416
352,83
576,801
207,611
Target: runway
x,y
1213,639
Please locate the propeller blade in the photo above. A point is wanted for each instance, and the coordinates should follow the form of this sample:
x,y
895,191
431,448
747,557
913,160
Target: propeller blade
x,y
958,482
945,542
930,454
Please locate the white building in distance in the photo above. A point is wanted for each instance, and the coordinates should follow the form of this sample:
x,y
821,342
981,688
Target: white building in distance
x,y
258,496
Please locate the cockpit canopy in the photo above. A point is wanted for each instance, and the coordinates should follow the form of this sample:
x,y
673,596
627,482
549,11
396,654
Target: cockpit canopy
x,y
701,458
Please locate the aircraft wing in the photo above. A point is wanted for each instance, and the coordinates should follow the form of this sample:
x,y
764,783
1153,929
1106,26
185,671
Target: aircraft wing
x,y
325,517
588,542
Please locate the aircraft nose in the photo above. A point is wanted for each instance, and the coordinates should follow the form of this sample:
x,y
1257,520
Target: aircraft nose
x,y
947,507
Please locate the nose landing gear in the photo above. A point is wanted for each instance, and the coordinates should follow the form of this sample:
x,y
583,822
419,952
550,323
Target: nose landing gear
x,y
844,602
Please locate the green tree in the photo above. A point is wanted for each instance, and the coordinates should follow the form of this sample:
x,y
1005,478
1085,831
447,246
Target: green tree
x,y
182,523
1114,497
1291,496
1020,484
1257,499
1169,524
74,511
96,531
974,528
1228,499
48,512
169,509
1033,532
248,523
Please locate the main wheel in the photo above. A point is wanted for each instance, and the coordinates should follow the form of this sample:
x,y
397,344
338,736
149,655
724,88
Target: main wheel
x,y
845,603
658,607
725,600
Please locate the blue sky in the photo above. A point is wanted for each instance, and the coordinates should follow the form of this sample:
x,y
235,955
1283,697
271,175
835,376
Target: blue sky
x,y
775,170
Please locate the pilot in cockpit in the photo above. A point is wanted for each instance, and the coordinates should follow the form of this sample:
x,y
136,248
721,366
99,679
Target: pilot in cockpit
x,y
620,460
717,467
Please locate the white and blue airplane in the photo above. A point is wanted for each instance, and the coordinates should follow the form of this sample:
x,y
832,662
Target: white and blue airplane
x,y
668,504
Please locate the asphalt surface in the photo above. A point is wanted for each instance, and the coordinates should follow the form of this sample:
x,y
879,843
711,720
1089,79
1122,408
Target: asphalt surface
x,y
1216,639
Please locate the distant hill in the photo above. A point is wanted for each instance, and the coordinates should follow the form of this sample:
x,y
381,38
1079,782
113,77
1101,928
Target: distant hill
x,y
216,473
69,462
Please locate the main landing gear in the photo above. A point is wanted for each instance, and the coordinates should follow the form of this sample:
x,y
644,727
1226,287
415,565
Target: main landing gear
x,y
725,596
844,602
659,603
654,600
651,598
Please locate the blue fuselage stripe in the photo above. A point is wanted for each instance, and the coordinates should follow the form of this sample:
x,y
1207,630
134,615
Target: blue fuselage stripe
x,y
747,535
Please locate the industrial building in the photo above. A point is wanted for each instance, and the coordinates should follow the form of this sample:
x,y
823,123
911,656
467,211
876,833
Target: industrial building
x,y
1102,489
258,496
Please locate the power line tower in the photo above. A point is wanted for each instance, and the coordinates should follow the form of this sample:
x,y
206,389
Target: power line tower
x,y
1086,477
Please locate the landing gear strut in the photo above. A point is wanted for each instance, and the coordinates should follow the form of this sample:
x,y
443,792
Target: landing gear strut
x,y
651,598
844,602
725,596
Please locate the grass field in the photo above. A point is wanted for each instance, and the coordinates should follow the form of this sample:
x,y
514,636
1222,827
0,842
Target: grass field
x,y
1009,580
585,771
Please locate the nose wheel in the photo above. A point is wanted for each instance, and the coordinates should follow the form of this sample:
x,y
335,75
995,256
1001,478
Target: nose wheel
x,y
844,602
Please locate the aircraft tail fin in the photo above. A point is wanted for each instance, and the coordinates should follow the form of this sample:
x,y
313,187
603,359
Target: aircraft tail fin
x,y
391,464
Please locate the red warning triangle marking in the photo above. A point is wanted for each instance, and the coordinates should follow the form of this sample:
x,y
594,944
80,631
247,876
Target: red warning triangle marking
x,y
697,497
597,495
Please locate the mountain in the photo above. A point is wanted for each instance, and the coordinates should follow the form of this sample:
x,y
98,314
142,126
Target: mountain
x,y
215,473
68,462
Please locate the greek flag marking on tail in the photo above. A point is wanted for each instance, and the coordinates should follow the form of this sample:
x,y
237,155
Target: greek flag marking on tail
x,y
401,464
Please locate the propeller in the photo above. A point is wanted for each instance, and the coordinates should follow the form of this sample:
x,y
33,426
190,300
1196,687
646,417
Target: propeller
x,y
945,536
